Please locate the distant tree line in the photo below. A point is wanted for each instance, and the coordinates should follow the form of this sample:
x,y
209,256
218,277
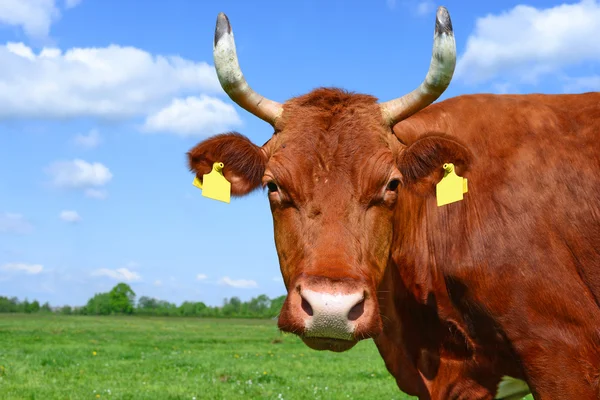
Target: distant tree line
x,y
120,300
13,305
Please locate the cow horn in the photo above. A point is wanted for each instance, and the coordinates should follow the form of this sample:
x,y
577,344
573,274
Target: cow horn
x,y
438,77
231,77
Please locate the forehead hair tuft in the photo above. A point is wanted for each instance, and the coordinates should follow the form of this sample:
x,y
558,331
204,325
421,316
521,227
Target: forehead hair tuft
x,y
332,99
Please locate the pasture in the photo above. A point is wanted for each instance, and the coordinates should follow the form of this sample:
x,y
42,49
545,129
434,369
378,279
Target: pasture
x,y
81,357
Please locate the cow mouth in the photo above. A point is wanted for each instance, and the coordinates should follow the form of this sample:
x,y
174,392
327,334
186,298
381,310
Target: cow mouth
x,y
336,345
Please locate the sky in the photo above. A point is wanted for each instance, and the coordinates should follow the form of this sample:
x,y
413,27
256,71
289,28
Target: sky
x,y
101,99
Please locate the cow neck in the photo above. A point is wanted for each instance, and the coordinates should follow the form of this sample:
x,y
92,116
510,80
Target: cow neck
x,y
421,328
411,255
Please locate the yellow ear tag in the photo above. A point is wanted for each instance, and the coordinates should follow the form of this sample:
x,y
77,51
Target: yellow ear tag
x,y
214,185
197,183
451,188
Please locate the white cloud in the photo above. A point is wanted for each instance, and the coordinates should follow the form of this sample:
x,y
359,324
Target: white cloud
x,y
418,7
31,269
34,16
504,88
88,141
104,82
72,3
526,42
193,116
119,274
238,283
157,283
78,174
583,84
70,216
96,194
425,7
132,264
14,223
201,277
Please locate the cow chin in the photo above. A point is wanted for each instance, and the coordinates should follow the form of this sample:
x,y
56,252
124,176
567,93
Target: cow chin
x,y
336,345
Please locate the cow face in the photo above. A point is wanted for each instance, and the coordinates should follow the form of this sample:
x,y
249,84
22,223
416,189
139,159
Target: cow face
x,y
332,184
333,176
333,170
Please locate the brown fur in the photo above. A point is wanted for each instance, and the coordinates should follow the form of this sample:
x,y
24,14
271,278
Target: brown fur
x,y
505,282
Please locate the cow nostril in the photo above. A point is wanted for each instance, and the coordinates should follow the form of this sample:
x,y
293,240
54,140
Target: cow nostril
x,y
356,311
306,307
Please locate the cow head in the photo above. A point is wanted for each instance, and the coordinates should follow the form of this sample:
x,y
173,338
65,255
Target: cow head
x,y
334,171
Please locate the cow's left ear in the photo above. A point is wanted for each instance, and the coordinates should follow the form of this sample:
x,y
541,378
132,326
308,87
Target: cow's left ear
x,y
244,162
421,163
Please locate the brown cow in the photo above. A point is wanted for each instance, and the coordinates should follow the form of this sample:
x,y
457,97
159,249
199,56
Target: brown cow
x,y
503,283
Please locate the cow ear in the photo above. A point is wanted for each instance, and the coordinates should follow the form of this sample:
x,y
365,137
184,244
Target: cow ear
x,y
244,162
421,163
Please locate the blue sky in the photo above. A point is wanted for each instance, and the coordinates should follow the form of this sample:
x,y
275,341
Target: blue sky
x,y
100,100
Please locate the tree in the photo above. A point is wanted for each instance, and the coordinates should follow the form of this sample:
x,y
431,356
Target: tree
x,y
187,309
147,305
259,306
122,299
25,306
275,307
232,307
8,305
166,308
34,306
98,305
200,308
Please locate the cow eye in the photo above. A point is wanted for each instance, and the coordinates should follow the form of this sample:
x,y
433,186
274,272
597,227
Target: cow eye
x,y
272,187
393,185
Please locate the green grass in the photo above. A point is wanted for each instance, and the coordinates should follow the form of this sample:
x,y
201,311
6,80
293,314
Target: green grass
x,y
78,357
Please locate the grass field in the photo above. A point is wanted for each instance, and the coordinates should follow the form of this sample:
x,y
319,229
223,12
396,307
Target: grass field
x,y
79,357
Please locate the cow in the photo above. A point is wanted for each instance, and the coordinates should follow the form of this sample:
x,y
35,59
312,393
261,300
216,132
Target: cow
x,y
503,283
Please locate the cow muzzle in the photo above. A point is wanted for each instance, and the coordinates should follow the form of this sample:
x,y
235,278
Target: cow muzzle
x,y
329,315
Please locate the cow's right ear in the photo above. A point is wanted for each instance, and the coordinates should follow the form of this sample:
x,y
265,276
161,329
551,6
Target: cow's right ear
x,y
244,162
421,163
